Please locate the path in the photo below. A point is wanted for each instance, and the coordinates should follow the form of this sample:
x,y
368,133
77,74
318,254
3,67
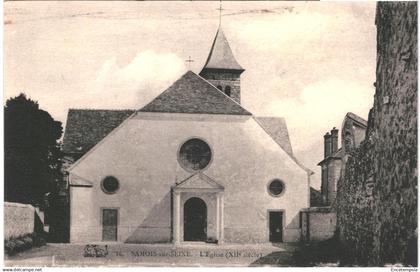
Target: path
x,y
158,255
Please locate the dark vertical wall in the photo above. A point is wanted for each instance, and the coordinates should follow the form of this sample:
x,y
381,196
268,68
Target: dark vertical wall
x,y
377,197
334,140
327,145
331,167
395,130
324,184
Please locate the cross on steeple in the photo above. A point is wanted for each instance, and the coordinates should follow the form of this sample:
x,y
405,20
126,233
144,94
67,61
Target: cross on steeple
x,y
222,69
220,13
189,60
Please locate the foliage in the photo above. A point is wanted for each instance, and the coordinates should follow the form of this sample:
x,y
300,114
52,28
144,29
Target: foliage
x,y
32,151
24,242
59,217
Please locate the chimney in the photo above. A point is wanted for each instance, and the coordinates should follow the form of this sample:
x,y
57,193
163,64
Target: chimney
x,y
327,145
334,140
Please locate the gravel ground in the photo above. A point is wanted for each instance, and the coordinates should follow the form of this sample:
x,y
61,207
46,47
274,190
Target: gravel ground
x,y
159,255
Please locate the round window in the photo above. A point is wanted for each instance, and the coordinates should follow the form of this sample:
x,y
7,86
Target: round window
x,y
194,155
110,185
276,187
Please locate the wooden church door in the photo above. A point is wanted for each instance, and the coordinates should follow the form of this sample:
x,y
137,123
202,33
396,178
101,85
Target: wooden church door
x,y
276,226
195,220
109,224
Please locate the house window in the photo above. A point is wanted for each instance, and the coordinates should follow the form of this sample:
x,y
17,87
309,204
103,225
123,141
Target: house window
x,y
110,185
219,87
227,90
276,187
194,155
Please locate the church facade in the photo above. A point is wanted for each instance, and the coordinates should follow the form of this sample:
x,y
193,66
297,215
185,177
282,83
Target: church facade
x,y
192,165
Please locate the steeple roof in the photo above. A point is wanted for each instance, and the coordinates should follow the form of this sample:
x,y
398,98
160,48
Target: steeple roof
x,y
221,56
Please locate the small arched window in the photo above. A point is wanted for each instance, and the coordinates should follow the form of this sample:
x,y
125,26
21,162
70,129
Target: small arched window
x,y
219,87
227,90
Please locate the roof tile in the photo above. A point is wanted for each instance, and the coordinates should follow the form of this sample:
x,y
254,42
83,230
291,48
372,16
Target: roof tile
x,y
85,128
193,94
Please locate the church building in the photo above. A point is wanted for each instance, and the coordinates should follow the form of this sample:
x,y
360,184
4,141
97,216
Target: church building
x,y
191,165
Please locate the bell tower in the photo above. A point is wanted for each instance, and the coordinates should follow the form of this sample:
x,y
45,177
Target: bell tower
x,y
222,69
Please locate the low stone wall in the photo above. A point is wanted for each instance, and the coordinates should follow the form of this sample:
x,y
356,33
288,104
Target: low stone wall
x,y
318,223
19,219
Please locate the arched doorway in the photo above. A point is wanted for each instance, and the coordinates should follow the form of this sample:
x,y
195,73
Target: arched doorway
x,y
195,220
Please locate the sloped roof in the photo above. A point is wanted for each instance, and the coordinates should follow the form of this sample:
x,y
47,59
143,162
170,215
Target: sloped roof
x,y
221,56
356,118
338,154
193,94
86,127
277,129
199,181
77,181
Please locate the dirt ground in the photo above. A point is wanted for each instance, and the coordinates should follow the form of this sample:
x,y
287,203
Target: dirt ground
x,y
158,255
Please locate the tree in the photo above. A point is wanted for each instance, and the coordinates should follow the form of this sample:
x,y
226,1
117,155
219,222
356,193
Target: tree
x,y
32,151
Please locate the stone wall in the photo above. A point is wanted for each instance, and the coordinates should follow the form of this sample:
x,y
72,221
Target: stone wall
x,y
318,223
395,126
377,194
19,219
354,204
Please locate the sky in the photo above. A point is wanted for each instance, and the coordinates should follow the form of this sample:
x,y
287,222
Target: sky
x,y
309,62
